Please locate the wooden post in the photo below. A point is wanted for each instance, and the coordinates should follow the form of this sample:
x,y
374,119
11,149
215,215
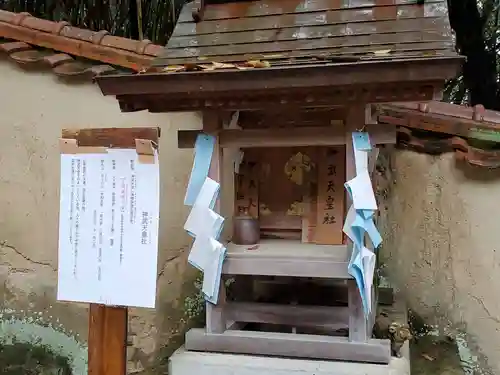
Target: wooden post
x,y
107,340
212,124
357,322
107,337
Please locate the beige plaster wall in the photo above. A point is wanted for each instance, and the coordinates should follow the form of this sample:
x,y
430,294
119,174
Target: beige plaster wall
x,y
34,107
442,243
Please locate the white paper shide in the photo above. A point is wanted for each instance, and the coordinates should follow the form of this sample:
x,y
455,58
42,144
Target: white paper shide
x,y
108,229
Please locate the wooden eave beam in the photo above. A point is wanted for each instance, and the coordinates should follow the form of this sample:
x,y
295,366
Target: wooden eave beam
x,y
283,100
327,75
288,137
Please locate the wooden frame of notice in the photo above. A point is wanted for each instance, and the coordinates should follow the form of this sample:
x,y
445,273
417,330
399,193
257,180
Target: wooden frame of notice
x,y
107,337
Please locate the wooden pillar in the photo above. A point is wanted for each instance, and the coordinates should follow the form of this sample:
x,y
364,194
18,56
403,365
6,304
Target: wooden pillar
x,y
107,341
212,124
357,323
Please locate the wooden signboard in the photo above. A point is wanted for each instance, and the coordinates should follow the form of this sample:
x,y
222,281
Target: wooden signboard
x,y
330,198
108,233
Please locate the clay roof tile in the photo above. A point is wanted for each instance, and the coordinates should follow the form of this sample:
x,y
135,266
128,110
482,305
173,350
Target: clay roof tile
x,y
74,41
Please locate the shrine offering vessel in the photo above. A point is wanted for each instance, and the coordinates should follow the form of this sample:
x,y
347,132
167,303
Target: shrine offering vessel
x,y
246,230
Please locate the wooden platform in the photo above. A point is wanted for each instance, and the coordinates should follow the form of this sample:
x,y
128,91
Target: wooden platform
x,y
287,258
289,345
328,355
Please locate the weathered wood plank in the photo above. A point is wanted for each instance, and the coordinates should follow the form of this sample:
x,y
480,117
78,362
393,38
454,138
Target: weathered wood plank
x,y
287,258
276,7
339,96
332,317
332,17
335,55
270,137
371,43
372,162
212,123
392,78
289,345
111,137
288,137
307,32
357,322
341,54
311,118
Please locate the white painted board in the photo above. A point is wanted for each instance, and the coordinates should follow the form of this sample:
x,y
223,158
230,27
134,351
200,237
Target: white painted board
x,y
108,229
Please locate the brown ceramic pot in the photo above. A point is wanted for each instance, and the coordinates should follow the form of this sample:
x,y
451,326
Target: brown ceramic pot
x,y
246,230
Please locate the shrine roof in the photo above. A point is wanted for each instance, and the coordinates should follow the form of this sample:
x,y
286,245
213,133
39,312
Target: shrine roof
x,y
284,32
252,53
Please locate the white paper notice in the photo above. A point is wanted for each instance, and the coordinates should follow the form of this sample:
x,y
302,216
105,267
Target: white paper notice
x,y
108,229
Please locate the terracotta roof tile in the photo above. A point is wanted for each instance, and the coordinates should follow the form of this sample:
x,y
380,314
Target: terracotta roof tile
x,y
61,37
465,150
440,117
473,133
63,65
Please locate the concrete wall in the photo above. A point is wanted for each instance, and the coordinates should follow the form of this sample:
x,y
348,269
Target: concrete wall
x,y
442,243
34,107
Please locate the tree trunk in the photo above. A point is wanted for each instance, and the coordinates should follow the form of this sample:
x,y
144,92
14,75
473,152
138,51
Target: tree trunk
x,y
479,71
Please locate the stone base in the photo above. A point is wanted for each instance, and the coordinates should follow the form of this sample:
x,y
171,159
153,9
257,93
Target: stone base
x,y
184,362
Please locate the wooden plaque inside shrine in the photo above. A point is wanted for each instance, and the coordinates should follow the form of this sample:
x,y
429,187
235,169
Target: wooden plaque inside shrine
x,y
297,193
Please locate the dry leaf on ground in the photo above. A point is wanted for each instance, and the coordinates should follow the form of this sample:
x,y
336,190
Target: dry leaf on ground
x,y
428,357
191,67
382,52
173,68
218,65
258,64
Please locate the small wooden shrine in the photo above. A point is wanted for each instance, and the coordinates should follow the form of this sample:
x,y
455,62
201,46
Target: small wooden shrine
x,y
286,83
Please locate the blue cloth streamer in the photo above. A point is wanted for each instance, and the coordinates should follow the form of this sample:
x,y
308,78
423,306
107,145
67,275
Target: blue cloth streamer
x,y
203,150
